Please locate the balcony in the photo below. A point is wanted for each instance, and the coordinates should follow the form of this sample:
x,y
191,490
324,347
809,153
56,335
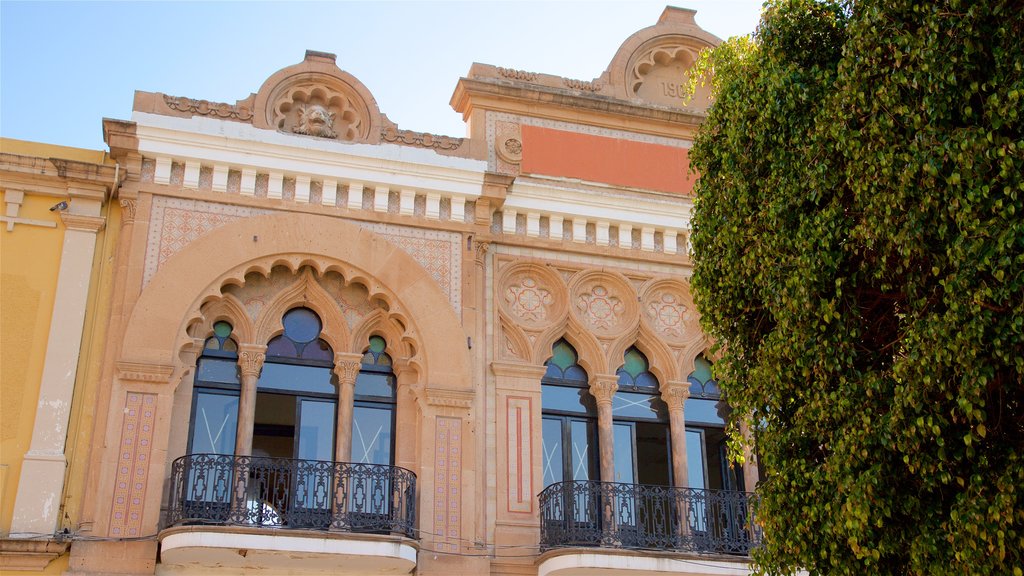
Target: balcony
x,y
239,512
624,517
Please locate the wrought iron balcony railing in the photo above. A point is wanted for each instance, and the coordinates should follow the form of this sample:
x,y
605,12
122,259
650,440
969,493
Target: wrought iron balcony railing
x,y
609,514
287,493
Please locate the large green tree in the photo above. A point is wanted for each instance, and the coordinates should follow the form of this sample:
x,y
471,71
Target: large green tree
x,y
859,249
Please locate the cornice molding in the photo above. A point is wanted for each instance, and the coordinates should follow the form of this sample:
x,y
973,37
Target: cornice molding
x,y
144,372
519,369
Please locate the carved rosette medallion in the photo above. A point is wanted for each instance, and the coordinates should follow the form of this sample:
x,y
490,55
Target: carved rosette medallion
x,y
528,301
669,311
532,297
604,303
600,308
508,147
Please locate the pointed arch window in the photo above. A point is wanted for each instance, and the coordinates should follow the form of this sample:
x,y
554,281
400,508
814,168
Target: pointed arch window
x,y
640,425
706,414
569,419
373,413
215,394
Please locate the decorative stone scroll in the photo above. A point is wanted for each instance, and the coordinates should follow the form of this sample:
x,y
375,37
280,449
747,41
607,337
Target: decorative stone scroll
x,y
421,139
517,74
207,108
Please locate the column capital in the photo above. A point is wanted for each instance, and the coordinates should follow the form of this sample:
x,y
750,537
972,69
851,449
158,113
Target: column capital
x,y
603,387
346,367
675,394
127,211
250,359
480,252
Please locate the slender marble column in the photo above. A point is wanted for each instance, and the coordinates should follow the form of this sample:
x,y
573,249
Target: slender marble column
x,y
675,394
346,367
250,364
603,387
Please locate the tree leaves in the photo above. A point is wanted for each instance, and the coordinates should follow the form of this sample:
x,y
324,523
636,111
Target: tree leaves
x,y
859,252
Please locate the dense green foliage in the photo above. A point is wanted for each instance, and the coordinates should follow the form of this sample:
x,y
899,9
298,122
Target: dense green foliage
x,y
859,245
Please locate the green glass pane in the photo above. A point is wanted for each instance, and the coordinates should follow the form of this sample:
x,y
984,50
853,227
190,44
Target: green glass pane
x,y
222,329
377,344
562,355
212,344
634,362
701,370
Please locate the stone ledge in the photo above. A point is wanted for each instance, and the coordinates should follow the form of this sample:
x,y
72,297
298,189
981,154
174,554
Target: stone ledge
x,y
35,555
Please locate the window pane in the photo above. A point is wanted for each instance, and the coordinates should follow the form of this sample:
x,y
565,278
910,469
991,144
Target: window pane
x,y
624,455
552,446
653,456
584,450
214,370
562,355
568,399
319,350
371,435
281,346
375,384
301,324
695,458
316,430
634,405
216,419
222,329
705,411
296,378
634,362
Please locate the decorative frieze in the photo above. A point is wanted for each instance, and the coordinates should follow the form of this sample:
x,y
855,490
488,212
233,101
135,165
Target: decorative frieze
x,y
207,108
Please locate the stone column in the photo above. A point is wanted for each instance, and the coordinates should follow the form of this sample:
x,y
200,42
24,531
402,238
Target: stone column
x,y
675,394
41,484
346,367
750,473
250,363
603,387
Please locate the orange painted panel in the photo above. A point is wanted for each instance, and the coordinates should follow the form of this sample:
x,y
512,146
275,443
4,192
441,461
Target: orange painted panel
x,y
609,160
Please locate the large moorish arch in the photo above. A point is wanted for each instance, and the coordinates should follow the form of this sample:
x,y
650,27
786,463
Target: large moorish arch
x,y
156,329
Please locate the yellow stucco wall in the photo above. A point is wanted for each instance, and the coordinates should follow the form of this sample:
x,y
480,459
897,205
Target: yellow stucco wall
x,y
29,266
29,263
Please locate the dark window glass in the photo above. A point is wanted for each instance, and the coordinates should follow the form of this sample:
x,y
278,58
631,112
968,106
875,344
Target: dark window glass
x,y
552,464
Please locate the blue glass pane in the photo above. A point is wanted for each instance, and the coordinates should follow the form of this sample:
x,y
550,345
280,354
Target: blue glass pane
x,y
623,436
576,374
214,370
371,435
584,450
625,378
695,459
637,405
704,411
647,380
216,419
301,324
281,347
319,350
296,378
375,384
316,430
552,462
568,399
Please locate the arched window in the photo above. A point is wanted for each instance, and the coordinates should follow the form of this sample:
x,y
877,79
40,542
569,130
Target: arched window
x,y
373,415
297,392
569,419
706,413
215,394
640,425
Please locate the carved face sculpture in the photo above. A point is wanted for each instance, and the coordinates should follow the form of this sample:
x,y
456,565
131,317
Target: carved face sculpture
x,y
315,120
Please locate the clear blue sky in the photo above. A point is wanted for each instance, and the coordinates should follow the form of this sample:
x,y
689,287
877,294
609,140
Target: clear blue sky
x,y
66,65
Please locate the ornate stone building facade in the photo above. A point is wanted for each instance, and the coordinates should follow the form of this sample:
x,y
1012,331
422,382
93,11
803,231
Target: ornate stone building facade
x,y
337,346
